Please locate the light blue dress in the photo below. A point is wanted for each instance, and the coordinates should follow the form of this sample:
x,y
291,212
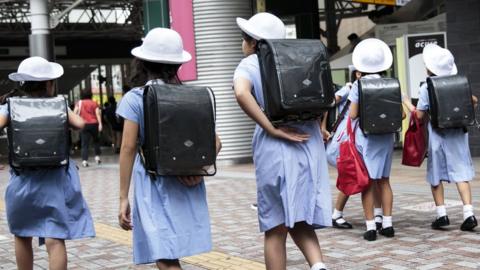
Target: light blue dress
x,y
47,203
170,220
340,135
376,149
292,178
449,156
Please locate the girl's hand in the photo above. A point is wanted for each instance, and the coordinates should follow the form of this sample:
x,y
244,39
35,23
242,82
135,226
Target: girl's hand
x,y
190,181
100,127
326,135
125,217
289,134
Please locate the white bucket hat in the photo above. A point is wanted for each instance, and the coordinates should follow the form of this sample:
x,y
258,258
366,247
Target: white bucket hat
x,y
372,55
263,26
36,68
438,60
162,45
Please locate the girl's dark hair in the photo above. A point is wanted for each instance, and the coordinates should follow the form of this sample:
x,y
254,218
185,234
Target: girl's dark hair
x,y
249,39
85,94
143,71
381,73
27,88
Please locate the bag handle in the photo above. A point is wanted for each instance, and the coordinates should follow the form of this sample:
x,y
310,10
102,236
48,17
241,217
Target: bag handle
x,y
341,116
350,131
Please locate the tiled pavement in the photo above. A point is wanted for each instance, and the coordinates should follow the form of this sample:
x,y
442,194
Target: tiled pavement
x,y
239,245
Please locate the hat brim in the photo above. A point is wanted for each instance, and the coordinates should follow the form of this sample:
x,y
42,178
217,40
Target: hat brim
x,y
57,72
429,60
386,64
248,29
141,54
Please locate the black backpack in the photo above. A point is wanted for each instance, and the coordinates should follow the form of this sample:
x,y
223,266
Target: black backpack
x,y
179,130
380,105
451,104
38,132
296,79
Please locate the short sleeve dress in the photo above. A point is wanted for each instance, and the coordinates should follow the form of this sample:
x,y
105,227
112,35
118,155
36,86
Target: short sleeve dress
x,y
292,178
170,220
47,203
449,156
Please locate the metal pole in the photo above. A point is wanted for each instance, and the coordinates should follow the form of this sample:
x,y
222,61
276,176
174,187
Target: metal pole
x,y
331,22
40,41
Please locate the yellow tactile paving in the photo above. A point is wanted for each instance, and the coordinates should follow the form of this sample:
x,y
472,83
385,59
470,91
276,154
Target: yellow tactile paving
x,y
213,260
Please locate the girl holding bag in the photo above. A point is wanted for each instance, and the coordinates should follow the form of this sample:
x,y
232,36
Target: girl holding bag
x,y
449,158
372,57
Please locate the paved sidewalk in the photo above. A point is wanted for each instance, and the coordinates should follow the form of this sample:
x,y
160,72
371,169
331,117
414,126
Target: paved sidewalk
x,y
239,245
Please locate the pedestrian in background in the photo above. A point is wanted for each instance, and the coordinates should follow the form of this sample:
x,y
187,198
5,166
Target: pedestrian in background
x,y
90,112
44,202
293,189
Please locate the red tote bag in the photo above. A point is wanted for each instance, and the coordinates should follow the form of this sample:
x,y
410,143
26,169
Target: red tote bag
x,y
415,144
352,174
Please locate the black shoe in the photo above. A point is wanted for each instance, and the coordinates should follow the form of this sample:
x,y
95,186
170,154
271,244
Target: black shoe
x,y
378,224
469,224
440,222
344,225
387,232
370,235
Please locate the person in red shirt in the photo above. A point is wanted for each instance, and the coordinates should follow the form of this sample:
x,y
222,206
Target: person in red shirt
x,y
91,114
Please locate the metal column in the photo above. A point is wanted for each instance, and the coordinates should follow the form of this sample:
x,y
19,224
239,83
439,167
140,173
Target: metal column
x,y
40,41
331,21
156,14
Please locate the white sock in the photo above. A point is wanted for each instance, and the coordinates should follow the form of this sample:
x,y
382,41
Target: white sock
x,y
371,225
441,211
467,211
387,221
378,212
336,214
97,158
318,266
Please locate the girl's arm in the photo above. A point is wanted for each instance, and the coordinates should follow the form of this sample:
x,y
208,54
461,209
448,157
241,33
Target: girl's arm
x,y
418,113
353,110
218,143
249,105
75,120
127,157
98,113
323,127
3,121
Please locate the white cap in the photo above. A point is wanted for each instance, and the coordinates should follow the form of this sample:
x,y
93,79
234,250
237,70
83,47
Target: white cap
x,y
36,68
263,26
372,55
438,60
162,45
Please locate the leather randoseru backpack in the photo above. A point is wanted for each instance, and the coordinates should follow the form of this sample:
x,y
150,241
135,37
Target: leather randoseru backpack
x,y
38,132
451,104
179,130
380,105
296,79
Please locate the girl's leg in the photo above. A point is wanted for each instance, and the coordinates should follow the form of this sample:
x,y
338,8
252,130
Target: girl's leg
x,y
57,254
469,220
367,202
337,216
442,218
377,210
465,192
275,250
306,240
24,253
169,265
386,195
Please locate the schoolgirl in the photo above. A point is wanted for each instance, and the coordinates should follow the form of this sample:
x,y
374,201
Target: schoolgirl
x,y
293,191
371,57
449,158
170,216
45,203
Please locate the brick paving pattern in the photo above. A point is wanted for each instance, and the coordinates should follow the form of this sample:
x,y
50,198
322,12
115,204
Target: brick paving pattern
x,y
239,245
